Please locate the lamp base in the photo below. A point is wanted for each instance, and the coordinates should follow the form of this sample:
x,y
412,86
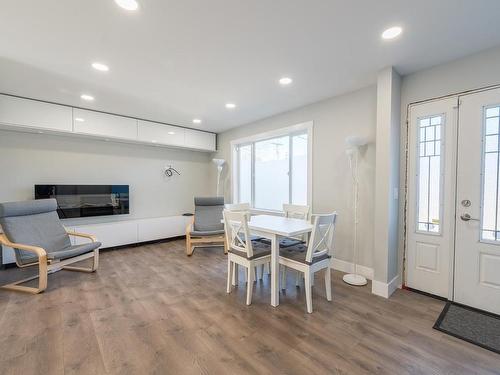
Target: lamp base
x,y
353,279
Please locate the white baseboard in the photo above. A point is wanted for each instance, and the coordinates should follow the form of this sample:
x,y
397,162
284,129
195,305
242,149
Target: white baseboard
x,y
348,267
385,290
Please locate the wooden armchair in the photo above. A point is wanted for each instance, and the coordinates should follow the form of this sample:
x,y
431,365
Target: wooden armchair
x,y
206,228
34,231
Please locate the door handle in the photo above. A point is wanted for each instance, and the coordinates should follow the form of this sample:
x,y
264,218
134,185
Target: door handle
x,y
467,217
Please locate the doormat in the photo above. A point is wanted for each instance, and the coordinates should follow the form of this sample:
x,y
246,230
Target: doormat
x,y
478,327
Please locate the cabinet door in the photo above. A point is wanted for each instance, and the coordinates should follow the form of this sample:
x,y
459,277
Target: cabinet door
x,y
153,132
34,114
110,234
200,140
104,125
162,227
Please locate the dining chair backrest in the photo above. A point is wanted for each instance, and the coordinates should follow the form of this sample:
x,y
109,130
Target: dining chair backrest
x,y
238,207
321,240
237,232
296,211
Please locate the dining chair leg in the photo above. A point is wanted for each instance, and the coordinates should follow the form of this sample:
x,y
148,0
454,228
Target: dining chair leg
x,y
283,277
255,273
298,275
249,287
261,271
328,284
229,275
268,268
308,287
236,272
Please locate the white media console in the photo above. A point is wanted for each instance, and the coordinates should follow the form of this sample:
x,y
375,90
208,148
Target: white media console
x,y
123,232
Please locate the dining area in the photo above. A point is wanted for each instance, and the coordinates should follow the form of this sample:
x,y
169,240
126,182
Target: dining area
x,y
266,244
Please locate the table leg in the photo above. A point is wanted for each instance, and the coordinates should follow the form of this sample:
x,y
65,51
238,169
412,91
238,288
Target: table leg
x,y
275,293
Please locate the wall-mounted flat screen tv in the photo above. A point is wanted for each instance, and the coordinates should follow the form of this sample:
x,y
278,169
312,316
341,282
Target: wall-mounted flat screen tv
x,y
86,200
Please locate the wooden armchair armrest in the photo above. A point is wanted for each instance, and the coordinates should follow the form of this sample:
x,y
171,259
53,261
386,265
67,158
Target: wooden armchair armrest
x,y
84,235
189,226
39,251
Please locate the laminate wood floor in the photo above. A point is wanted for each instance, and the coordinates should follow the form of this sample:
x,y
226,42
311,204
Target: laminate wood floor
x,y
152,310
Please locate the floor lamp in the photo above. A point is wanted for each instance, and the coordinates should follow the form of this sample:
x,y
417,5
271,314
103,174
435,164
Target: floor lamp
x,y
220,165
354,143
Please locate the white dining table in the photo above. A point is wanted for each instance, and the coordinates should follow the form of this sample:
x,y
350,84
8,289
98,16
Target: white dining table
x,y
273,228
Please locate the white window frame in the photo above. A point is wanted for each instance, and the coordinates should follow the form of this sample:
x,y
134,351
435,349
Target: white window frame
x,y
306,127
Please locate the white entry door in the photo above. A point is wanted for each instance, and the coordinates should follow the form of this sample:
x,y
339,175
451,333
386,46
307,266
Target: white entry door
x,y
477,250
431,196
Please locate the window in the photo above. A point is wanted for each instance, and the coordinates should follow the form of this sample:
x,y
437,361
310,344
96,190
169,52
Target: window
x,y
273,169
429,173
490,221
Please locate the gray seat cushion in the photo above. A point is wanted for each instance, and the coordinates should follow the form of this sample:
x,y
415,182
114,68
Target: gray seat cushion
x,y
201,233
285,242
33,223
259,250
73,251
208,214
298,253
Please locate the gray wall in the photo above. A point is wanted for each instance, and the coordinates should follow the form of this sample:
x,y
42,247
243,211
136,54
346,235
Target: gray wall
x,y
334,120
27,159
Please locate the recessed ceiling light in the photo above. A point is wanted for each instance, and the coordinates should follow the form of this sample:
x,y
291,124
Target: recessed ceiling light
x,y
100,67
196,121
171,133
40,132
87,97
285,81
392,32
79,119
230,105
127,4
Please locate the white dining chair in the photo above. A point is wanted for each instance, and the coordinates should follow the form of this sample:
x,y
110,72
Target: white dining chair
x,y
245,208
238,207
315,256
242,250
295,211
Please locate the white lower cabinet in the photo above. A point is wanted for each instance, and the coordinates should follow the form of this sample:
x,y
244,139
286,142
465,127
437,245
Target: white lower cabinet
x,y
120,233
163,227
109,234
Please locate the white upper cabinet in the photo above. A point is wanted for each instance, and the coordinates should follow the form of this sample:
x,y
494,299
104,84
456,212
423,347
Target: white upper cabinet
x,y
103,124
34,114
200,140
27,114
152,132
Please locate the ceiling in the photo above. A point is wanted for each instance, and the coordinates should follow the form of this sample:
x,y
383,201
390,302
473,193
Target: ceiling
x,y
173,61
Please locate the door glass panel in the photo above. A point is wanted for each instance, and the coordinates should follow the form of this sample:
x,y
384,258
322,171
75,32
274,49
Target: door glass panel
x,y
429,174
490,221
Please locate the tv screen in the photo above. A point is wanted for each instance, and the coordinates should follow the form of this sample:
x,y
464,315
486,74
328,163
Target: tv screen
x,y
86,200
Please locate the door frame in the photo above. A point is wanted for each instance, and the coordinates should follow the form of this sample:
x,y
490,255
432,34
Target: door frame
x,y
405,181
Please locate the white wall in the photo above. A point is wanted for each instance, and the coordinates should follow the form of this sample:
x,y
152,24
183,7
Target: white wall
x,y
334,120
387,179
27,159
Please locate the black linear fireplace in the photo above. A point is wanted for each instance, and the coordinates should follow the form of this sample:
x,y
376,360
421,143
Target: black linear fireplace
x,y
86,200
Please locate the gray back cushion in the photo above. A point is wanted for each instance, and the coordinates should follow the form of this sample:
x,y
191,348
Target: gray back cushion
x,y
33,223
208,213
